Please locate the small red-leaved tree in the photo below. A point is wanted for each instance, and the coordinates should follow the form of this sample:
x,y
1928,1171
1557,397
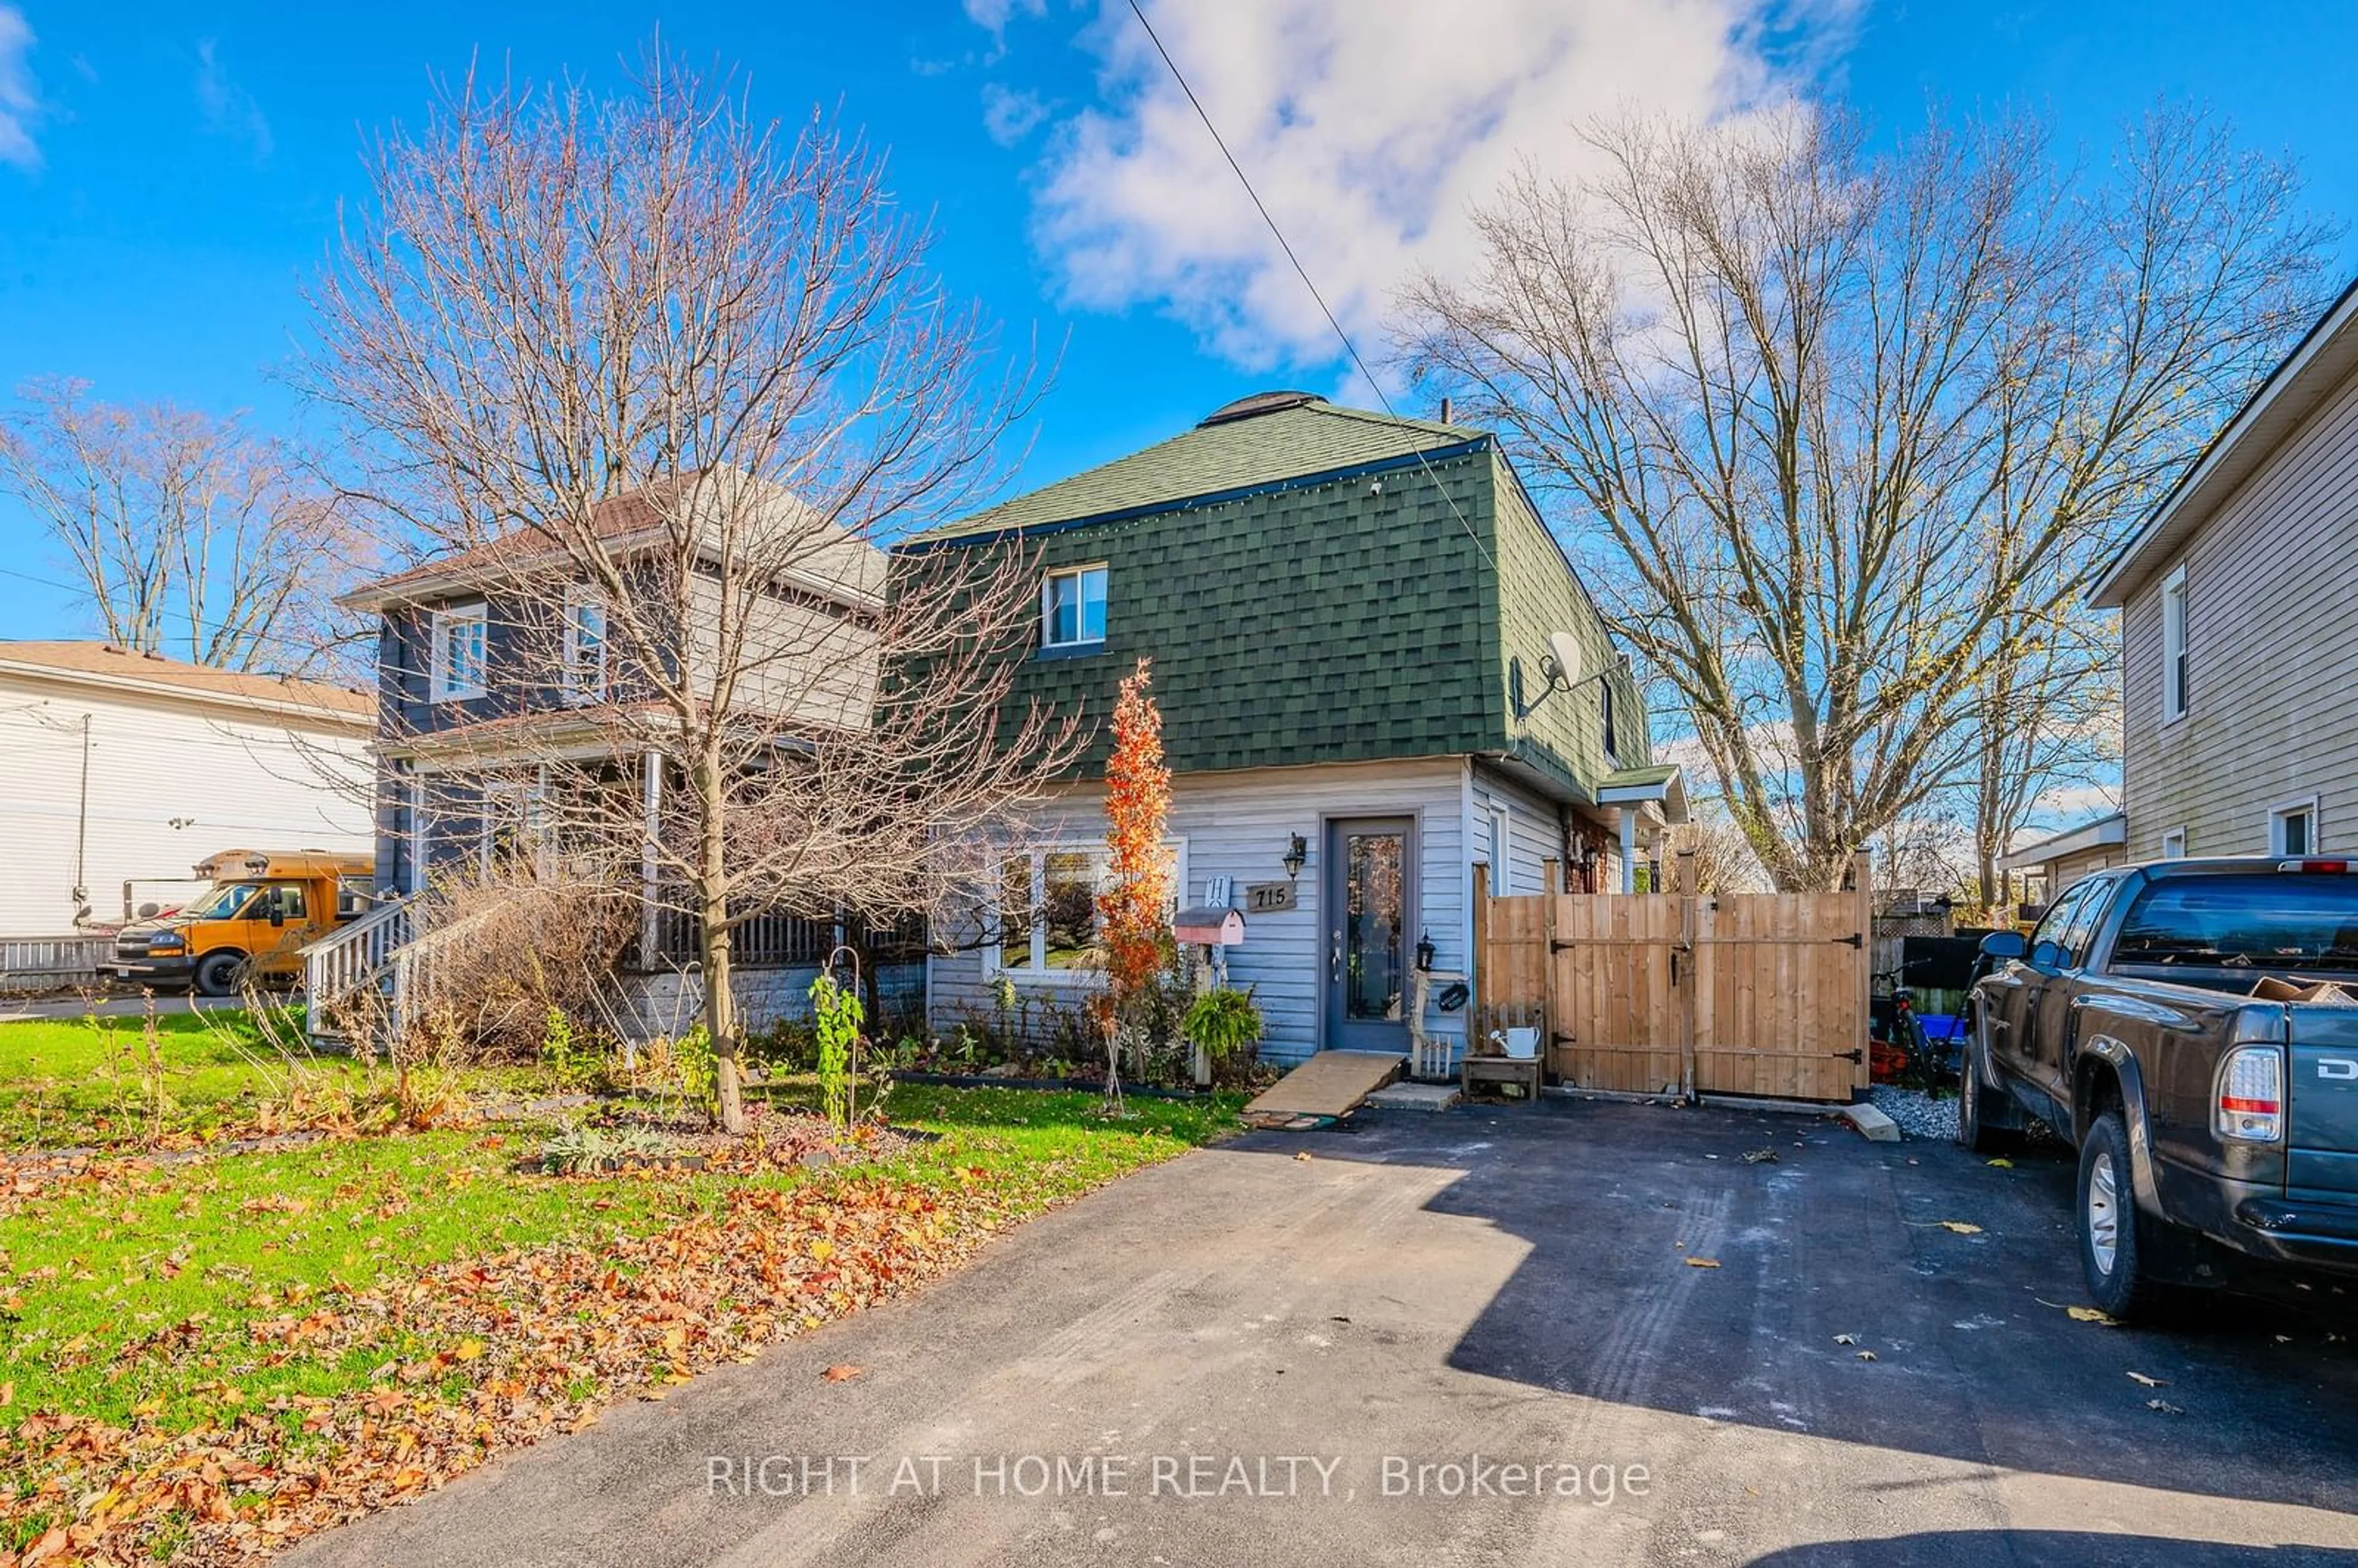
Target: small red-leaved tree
x,y
1136,893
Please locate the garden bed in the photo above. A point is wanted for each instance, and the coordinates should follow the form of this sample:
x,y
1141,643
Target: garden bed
x,y
1069,1084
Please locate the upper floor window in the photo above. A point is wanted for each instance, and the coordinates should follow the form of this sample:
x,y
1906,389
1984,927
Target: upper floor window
x,y
585,647
1612,749
1073,608
2173,646
459,652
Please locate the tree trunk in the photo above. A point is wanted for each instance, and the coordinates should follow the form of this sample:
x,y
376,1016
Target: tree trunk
x,y
721,1018
712,915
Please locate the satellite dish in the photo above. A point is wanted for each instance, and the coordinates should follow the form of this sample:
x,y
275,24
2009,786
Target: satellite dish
x,y
1569,661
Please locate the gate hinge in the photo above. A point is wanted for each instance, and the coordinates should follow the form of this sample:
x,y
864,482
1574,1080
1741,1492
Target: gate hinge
x,y
1854,940
1852,1056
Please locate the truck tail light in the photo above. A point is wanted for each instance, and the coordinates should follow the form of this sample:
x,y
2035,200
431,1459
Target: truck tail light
x,y
2330,867
2251,1094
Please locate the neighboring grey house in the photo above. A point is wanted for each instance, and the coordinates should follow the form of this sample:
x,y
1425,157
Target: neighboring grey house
x,y
496,677
2239,641
499,686
1354,621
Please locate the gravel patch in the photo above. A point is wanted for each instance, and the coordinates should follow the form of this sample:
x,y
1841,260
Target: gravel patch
x,y
1918,1113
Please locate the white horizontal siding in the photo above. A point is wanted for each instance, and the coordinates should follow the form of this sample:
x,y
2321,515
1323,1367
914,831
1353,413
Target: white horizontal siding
x,y
1534,832
2272,660
1238,825
230,783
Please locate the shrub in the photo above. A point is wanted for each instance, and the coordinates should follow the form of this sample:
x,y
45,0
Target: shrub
x,y
837,1015
1223,1021
505,954
582,1149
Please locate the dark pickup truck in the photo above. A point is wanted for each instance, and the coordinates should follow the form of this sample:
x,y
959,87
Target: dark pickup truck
x,y
2184,1024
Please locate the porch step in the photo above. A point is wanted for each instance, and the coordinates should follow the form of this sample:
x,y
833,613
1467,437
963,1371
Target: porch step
x,y
1331,1083
1415,1097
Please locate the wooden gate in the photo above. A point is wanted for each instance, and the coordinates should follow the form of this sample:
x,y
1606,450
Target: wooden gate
x,y
1735,993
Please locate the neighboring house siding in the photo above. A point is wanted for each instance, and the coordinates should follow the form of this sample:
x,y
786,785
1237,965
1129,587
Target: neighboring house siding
x,y
233,780
812,663
1237,825
518,667
2273,687
1534,833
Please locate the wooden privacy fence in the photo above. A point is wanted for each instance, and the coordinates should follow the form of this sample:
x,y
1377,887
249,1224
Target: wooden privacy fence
x,y
1730,993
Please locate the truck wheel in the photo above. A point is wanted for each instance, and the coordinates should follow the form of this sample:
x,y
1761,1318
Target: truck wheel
x,y
221,973
2111,1230
1974,1127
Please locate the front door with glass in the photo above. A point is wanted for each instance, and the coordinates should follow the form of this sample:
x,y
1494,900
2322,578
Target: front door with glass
x,y
1367,897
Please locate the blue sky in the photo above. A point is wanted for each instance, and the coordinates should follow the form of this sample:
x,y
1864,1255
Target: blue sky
x,y
169,174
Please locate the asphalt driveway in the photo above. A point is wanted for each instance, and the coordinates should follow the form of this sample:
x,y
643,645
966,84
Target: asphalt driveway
x,y
1244,1357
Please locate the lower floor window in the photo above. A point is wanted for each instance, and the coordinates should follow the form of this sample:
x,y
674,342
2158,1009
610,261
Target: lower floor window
x,y
1048,910
2292,829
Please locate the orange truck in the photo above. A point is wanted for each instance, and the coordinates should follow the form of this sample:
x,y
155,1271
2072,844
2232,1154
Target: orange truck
x,y
264,908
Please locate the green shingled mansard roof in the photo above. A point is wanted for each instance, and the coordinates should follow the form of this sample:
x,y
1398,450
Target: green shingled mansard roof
x,y
1263,439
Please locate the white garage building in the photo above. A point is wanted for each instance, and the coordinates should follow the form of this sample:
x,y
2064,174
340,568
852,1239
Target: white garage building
x,y
122,770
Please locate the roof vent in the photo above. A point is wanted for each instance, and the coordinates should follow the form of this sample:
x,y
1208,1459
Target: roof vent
x,y
1257,404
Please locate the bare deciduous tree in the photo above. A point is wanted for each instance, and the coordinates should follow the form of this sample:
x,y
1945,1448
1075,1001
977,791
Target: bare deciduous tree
x,y
1854,421
1717,855
189,535
694,370
2047,711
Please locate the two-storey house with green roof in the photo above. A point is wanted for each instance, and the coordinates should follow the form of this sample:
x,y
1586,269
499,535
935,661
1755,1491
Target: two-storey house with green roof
x,y
1377,669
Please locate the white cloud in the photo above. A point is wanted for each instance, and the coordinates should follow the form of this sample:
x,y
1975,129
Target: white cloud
x,y
230,110
1009,115
996,13
20,104
1369,127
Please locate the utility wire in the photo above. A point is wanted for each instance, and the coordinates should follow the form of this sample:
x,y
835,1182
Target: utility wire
x,y
1302,272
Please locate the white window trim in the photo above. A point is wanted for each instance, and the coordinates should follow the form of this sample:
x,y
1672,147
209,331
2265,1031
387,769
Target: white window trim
x,y
438,686
577,599
2173,648
1502,848
418,844
2173,844
1048,605
2305,804
1040,974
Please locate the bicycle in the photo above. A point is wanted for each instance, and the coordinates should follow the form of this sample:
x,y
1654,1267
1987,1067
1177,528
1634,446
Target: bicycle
x,y
1897,1049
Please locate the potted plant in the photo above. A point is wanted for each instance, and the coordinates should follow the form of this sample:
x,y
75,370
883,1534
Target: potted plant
x,y
1220,1022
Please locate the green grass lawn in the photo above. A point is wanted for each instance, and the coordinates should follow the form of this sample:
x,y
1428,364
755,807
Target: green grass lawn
x,y
91,1081
92,1273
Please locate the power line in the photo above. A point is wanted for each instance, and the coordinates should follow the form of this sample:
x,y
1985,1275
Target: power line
x,y
1302,272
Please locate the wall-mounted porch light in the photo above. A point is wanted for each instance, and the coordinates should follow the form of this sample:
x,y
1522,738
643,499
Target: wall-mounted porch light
x,y
1424,951
1297,854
